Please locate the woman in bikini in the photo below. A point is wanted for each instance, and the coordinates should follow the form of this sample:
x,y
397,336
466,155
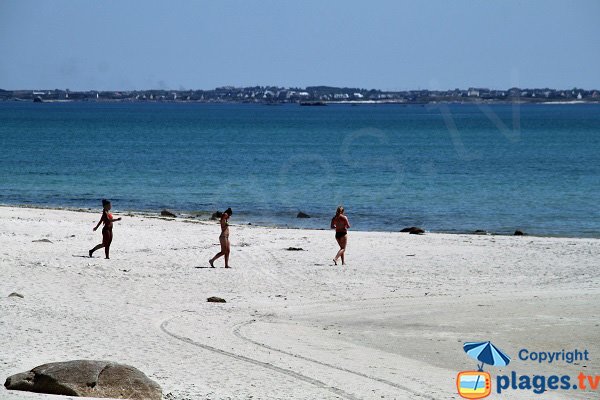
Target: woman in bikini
x,y
106,219
340,224
223,239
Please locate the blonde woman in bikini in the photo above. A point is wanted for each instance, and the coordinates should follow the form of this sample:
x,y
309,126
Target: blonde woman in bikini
x,y
223,239
341,224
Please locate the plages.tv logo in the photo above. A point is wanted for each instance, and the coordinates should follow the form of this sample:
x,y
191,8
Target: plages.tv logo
x,y
478,384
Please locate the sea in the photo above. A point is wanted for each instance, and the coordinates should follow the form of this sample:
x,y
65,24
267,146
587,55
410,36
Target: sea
x,y
451,168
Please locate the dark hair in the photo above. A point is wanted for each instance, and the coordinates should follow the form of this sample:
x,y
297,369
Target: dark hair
x,y
105,202
229,211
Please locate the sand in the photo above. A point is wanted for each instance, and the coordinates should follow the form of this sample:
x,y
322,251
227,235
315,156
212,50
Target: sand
x,y
388,325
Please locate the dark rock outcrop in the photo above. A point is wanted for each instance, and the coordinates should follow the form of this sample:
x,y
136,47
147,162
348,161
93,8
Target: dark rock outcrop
x,y
167,213
215,299
302,215
87,378
519,233
414,230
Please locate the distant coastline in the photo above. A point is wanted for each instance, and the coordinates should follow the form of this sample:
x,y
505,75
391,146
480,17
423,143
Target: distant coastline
x,y
314,94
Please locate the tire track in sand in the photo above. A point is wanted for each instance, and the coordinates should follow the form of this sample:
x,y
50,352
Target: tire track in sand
x,y
403,388
238,334
240,357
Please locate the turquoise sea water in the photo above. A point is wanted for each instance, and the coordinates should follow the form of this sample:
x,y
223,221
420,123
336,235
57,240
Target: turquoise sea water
x,y
447,168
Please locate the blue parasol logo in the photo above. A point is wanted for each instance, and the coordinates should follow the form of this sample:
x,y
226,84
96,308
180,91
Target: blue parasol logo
x,y
487,353
477,384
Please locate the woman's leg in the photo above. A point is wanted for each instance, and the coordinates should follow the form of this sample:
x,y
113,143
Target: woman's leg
x,y
107,242
338,240
226,252
222,241
343,242
101,245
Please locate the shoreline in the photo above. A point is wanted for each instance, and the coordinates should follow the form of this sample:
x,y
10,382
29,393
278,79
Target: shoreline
x,y
190,218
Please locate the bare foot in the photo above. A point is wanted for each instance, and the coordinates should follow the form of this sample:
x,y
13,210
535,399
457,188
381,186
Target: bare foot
x,y
335,262
211,263
107,258
227,266
90,253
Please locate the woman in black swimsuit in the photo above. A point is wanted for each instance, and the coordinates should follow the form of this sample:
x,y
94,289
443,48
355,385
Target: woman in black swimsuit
x,y
223,239
340,224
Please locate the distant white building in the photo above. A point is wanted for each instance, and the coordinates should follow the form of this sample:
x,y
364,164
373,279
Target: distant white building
x,y
473,93
339,96
358,95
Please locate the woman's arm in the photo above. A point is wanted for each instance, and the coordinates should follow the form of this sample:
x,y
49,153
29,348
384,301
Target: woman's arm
x,y
99,222
347,222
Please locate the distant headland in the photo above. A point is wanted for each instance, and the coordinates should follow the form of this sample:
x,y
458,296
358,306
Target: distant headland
x,y
311,95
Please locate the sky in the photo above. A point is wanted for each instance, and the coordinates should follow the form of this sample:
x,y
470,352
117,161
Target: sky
x,y
380,44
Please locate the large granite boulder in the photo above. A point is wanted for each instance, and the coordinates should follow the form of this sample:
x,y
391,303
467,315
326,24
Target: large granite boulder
x,y
87,378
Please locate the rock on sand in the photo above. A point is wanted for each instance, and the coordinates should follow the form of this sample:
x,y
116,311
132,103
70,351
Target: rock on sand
x,y
87,378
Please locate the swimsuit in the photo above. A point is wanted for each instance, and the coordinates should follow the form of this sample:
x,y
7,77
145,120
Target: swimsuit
x,y
338,234
223,233
106,219
107,229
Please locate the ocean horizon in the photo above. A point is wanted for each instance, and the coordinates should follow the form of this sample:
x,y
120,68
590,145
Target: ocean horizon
x,y
446,168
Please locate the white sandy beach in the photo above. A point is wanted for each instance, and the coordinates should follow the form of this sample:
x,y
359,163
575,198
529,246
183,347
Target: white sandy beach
x,y
389,325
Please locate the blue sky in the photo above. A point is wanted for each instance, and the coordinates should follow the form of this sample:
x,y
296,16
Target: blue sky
x,y
384,44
